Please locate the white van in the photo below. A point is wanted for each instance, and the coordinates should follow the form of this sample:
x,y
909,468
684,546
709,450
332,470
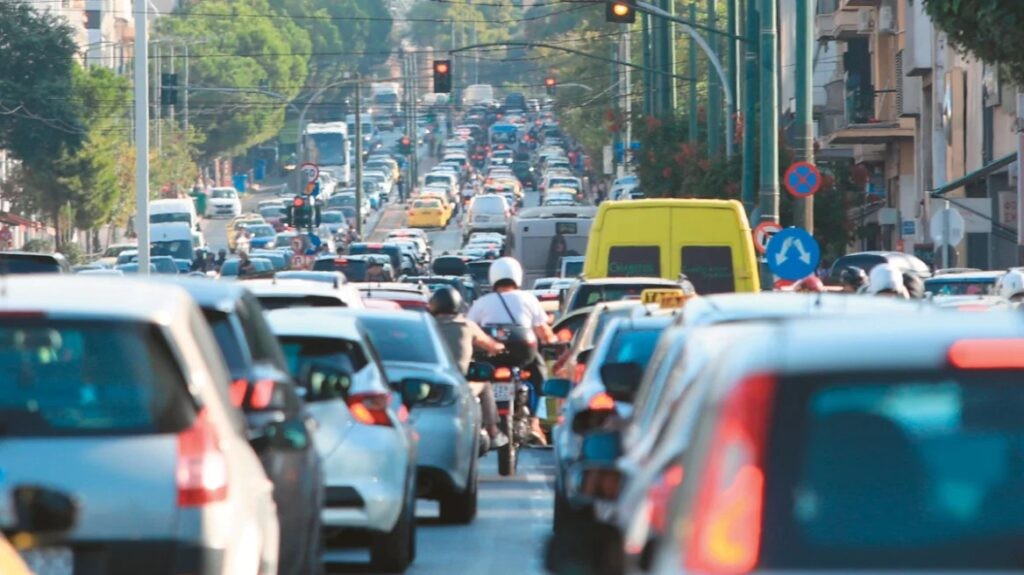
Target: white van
x,y
486,213
174,210
530,236
174,239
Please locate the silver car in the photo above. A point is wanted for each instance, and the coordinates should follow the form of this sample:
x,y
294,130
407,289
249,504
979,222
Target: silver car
x,y
115,392
368,452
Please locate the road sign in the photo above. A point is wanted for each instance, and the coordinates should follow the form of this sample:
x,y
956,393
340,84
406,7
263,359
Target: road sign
x,y
310,171
313,189
957,227
802,179
793,254
763,234
315,242
298,244
302,262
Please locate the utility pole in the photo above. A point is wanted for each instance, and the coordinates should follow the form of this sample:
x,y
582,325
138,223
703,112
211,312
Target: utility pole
x,y
141,96
733,27
627,97
714,112
170,108
185,94
158,86
769,190
667,60
646,45
691,49
804,208
359,158
750,94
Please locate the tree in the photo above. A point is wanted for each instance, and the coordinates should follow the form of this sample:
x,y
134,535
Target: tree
x,y
37,120
989,29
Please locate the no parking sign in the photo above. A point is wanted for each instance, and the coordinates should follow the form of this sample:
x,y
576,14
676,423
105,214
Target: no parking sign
x,y
802,180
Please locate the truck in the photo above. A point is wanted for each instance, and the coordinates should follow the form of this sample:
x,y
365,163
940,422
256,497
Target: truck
x,y
328,146
386,98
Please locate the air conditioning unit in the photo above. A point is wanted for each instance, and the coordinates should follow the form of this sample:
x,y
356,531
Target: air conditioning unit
x,y
886,20
865,24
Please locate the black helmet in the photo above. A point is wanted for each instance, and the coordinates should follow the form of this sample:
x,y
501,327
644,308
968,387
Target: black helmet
x,y
914,285
854,277
445,300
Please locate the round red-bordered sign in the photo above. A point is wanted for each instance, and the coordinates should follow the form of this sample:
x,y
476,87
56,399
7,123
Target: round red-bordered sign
x,y
763,233
802,180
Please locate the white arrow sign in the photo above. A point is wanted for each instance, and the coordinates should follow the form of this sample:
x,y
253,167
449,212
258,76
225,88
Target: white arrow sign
x,y
783,255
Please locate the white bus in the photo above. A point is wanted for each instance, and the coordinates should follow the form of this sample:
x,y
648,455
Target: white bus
x,y
530,235
328,146
477,93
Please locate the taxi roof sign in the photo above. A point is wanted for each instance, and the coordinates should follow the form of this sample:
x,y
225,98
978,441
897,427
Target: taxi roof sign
x,y
669,298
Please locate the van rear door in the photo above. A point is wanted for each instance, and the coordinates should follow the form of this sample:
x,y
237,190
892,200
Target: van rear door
x,y
712,245
646,252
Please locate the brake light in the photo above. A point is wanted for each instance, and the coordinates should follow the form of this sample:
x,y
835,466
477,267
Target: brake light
x,y
525,374
564,334
987,354
502,373
601,402
730,498
202,470
370,408
237,392
262,393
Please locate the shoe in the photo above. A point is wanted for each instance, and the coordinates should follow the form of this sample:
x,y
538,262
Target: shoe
x,y
499,440
538,438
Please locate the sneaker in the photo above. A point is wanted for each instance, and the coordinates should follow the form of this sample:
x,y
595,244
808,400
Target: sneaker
x,y
499,440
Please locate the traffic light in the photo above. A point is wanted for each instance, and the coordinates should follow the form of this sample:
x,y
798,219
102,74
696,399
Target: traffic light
x,y
442,76
168,89
549,85
299,212
621,11
405,145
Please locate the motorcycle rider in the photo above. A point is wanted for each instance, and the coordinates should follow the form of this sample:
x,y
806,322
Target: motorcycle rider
x,y
462,337
508,305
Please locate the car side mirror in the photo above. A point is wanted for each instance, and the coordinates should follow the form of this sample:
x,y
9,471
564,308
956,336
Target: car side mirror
x,y
480,371
621,380
583,357
414,391
39,510
557,387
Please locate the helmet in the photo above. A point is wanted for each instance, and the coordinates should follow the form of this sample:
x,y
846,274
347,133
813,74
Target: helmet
x,y
445,300
886,280
810,284
1011,285
505,269
913,284
854,277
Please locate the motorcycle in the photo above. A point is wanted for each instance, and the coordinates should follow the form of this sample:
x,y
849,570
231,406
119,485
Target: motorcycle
x,y
511,385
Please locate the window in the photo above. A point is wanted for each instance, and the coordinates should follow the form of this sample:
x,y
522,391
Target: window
x,y
633,346
402,339
93,19
709,268
634,261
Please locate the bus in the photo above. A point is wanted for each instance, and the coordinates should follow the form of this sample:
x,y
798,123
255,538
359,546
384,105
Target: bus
x,y
328,146
502,133
530,235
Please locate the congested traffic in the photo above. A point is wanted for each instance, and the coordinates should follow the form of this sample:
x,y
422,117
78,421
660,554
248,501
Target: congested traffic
x,y
305,367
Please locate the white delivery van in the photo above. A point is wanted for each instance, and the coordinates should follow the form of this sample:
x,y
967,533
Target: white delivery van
x,y
174,210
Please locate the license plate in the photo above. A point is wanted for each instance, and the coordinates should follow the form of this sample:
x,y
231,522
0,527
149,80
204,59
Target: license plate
x,y
503,391
49,560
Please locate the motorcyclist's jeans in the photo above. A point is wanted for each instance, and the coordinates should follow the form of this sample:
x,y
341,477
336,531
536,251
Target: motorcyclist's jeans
x,y
488,407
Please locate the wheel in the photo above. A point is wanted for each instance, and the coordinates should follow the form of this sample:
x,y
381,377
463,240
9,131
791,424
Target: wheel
x,y
507,455
313,563
460,508
392,552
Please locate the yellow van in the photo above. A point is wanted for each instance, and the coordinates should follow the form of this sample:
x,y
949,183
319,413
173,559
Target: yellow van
x,y
708,240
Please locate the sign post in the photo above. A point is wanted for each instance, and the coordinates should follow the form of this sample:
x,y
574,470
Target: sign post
x,y
793,254
947,229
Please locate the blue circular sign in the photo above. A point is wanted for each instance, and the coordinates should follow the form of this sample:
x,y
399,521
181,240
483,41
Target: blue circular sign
x,y
802,179
793,254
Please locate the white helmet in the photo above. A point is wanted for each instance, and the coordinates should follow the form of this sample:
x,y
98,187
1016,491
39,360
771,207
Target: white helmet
x,y
885,278
1011,285
505,269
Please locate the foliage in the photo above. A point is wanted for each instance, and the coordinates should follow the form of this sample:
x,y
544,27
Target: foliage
x,y
37,118
38,246
989,29
249,53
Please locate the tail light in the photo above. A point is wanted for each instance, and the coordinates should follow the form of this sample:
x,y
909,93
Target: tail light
x,y
202,470
601,402
659,494
370,408
502,374
237,392
987,354
260,396
730,499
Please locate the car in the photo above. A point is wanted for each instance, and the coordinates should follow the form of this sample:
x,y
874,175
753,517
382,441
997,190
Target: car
x,y
368,452
487,212
973,283
297,293
347,199
230,268
421,242
588,292
447,419
335,223
262,235
408,296
800,417
427,213
16,263
274,215
236,225
223,201
868,260
467,287
278,423
354,267
109,257
573,363
393,251
334,278
120,400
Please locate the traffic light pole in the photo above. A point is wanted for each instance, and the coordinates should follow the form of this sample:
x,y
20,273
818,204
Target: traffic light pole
x,y
804,209
359,158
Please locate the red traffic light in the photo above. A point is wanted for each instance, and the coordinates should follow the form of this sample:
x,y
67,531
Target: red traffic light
x,y
549,82
406,141
298,202
441,67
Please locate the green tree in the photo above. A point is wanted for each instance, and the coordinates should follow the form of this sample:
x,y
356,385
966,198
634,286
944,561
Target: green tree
x,y
989,29
37,120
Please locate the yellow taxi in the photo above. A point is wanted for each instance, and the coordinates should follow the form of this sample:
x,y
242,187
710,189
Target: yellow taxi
x,y
427,213
235,226
501,183
449,207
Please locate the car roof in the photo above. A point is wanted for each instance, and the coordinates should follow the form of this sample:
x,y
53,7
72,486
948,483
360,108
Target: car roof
x,y
731,307
628,281
208,294
319,322
966,276
290,287
106,297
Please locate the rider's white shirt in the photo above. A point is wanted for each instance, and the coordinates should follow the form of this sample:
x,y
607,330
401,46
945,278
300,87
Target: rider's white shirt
x,y
525,307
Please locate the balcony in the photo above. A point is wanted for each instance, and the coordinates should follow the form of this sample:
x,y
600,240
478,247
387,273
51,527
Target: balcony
x,y
855,4
871,118
849,24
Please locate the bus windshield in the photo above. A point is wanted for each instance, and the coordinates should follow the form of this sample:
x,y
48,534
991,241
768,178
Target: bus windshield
x,y
328,148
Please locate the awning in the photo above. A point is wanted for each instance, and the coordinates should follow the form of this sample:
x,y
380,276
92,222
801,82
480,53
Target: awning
x,y
871,134
975,175
16,220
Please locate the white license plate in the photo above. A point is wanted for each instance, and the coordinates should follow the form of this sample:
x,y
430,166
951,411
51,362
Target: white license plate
x,y
503,391
50,560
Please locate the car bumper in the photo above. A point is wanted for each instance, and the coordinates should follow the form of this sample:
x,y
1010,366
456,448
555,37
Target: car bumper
x,y
426,221
153,557
440,466
366,478
224,210
486,227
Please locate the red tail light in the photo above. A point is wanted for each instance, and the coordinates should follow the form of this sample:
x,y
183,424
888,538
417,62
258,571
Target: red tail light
x,y
730,499
987,354
370,408
202,471
237,392
660,494
601,402
262,393
502,373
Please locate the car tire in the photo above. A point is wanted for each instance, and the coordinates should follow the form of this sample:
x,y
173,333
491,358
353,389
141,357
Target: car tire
x,y
313,563
459,508
394,551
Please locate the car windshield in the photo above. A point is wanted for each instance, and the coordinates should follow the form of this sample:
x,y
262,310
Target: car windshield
x,y
332,218
224,194
400,339
939,286
898,471
179,249
283,240
165,265
604,319
262,231
88,378
354,270
170,217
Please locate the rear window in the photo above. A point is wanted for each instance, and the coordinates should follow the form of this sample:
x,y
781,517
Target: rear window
x,y
488,205
589,295
270,302
961,287
427,204
633,346
354,270
401,339
169,217
634,261
897,471
88,378
227,339
28,264
709,268
301,352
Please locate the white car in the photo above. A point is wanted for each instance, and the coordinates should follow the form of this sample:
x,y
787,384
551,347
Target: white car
x,y
488,212
368,451
223,202
277,294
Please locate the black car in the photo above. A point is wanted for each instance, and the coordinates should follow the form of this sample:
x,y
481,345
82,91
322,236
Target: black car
x,y
868,260
466,286
278,425
391,250
32,263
